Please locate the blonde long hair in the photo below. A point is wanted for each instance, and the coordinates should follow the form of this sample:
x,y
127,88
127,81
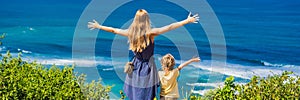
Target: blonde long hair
x,y
140,26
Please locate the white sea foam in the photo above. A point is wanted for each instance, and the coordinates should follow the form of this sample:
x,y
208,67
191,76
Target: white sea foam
x,y
205,84
24,51
78,62
31,29
108,69
2,48
201,92
276,65
215,85
243,71
237,70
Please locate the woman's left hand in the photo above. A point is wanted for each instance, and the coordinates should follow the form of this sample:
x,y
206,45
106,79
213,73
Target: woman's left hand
x,y
93,25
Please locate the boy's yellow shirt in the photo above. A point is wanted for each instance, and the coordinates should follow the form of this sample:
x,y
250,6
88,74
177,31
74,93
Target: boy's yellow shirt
x,y
169,87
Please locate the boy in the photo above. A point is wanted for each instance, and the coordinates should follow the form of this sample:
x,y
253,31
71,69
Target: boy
x,y
168,77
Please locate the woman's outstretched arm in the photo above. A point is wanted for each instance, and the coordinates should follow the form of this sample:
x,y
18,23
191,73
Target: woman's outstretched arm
x,y
96,25
189,19
188,62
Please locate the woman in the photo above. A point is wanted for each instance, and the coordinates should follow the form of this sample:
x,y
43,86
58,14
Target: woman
x,y
142,84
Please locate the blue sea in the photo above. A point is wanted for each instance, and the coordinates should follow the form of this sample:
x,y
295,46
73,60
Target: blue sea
x,y
257,37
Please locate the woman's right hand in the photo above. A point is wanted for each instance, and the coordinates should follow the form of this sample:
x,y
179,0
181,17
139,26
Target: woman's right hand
x,y
192,18
93,25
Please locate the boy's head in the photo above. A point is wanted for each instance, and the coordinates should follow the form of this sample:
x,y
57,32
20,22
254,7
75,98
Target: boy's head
x,y
168,61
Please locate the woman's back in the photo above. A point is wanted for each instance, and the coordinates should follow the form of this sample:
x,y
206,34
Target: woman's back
x,y
147,53
143,83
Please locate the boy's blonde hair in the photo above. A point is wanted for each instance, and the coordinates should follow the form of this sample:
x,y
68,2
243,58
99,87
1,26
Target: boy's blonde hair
x,y
168,61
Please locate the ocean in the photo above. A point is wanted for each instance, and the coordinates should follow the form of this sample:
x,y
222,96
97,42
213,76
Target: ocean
x,y
261,37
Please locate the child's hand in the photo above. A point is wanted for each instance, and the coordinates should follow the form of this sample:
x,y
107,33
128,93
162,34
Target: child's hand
x,y
197,59
194,59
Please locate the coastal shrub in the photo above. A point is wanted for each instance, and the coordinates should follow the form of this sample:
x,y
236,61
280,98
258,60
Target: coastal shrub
x,y
29,80
2,37
93,90
285,87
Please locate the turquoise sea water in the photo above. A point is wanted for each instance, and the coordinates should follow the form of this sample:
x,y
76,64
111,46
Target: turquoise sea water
x,y
261,37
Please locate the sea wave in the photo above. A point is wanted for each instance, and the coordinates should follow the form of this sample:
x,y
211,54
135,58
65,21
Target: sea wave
x,y
205,84
221,84
265,63
242,71
28,29
108,69
237,70
77,62
268,64
2,48
24,51
201,92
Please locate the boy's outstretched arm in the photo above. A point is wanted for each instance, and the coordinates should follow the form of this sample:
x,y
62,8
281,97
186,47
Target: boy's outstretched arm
x,y
188,62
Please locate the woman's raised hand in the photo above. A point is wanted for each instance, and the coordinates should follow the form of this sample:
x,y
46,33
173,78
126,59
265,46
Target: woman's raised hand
x,y
197,59
193,18
93,25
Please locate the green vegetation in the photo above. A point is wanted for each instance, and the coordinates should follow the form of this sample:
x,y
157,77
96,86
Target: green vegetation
x,y
30,80
284,87
2,37
122,95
